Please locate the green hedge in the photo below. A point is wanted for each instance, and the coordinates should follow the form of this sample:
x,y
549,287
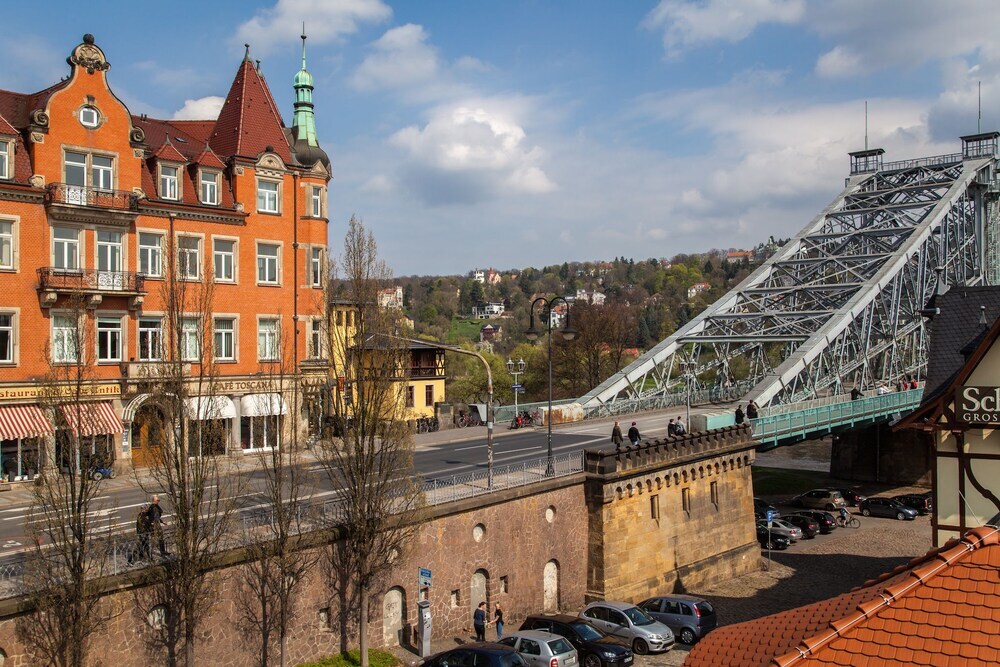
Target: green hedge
x,y
376,658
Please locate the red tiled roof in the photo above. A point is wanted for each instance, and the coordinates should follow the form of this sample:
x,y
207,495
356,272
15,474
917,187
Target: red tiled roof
x,y
6,128
208,158
167,152
943,608
249,121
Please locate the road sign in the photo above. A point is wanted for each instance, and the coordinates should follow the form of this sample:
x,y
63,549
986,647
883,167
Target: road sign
x,y
519,390
516,386
771,515
423,577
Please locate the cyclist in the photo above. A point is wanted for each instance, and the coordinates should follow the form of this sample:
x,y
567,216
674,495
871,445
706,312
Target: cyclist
x,y
843,516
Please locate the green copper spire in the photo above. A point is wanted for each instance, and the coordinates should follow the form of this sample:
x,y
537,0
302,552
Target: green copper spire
x,y
304,123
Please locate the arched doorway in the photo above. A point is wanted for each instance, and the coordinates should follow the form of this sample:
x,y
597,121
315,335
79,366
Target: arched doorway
x,y
394,617
550,587
479,590
147,435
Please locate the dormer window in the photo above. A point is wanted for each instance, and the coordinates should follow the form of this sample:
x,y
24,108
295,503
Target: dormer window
x,y
90,117
209,187
5,159
169,187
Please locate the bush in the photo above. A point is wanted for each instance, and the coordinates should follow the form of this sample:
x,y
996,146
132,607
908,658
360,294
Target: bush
x,y
376,658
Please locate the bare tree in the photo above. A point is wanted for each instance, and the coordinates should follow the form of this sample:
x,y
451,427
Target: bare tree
x,y
198,482
66,562
371,462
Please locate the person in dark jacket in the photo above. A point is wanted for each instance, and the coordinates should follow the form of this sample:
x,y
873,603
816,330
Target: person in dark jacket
x,y
616,436
479,622
671,427
739,414
752,410
498,621
633,435
156,522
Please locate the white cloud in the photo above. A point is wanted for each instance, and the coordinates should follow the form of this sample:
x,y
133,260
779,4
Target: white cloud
x,y
326,21
838,63
689,24
203,108
402,58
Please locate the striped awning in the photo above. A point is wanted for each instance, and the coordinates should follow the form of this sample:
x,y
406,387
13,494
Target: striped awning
x,y
23,421
97,418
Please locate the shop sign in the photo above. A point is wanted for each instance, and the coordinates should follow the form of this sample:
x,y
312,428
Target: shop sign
x,y
36,393
978,406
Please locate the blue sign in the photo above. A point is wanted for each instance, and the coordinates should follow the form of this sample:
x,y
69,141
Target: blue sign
x,y
423,577
772,515
516,386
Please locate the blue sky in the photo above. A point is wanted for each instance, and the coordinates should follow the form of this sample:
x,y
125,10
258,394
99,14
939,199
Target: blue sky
x,y
517,133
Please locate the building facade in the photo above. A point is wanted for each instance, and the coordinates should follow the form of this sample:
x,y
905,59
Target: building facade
x,y
106,217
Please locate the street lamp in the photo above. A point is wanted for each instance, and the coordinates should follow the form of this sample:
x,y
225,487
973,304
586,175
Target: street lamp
x,y
516,374
568,333
686,368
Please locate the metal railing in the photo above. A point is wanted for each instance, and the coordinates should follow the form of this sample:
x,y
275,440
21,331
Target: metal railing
x,y
51,278
704,396
932,161
470,485
505,413
63,193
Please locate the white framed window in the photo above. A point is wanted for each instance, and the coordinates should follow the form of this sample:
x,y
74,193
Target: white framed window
x,y
169,188
262,432
109,251
64,339
189,257
109,339
267,339
316,266
190,339
209,187
225,338
7,244
267,196
100,167
66,248
5,161
224,260
316,347
89,117
268,265
102,172
8,331
151,254
150,339
316,202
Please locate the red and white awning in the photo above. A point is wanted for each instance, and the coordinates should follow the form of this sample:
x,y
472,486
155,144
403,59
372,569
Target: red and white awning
x,y
97,418
23,421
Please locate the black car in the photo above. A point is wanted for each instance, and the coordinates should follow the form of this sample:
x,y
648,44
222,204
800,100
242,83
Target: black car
x,y
771,540
761,507
826,521
478,654
852,497
809,526
918,501
887,507
596,649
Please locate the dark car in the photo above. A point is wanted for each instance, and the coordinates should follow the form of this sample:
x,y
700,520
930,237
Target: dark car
x,y
761,507
478,654
887,507
770,540
689,617
596,649
918,501
852,497
809,526
826,521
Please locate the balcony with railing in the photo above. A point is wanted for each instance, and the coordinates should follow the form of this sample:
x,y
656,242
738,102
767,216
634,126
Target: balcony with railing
x,y
77,203
423,372
93,283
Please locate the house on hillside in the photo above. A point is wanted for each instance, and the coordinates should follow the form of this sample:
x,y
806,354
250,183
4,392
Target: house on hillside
x,y
592,297
490,333
488,311
697,288
391,298
740,255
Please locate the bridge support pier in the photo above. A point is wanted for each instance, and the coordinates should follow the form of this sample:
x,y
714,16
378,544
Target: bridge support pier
x,y
877,454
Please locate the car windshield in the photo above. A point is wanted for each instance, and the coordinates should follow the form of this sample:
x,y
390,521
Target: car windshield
x,y
637,617
586,631
705,608
559,646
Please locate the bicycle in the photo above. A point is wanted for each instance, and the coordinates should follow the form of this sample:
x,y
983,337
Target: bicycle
x,y
850,522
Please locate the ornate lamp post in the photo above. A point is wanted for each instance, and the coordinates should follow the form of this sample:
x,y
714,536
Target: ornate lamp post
x,y
516,374
568,333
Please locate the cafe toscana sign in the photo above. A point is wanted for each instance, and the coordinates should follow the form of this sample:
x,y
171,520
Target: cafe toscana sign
x,y
978,406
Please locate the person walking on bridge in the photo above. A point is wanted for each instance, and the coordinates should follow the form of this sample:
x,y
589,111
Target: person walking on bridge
x,y
752,410
633,435
739,415
616,436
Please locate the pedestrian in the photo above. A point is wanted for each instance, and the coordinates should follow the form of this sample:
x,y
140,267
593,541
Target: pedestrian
x,y
901,385
142,530
739,414
679,427
498,621
479,622
616,436
752,410
882,390
156,522
633,435
671,428
913,383
856,394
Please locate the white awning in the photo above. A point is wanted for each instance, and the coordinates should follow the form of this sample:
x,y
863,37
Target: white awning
x,y
209,407
261,405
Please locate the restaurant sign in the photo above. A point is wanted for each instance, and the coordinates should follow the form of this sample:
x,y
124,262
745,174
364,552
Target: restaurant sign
x,y
978,406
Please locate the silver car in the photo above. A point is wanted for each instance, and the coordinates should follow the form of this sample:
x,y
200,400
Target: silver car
x,y
780,527
541,648
628,622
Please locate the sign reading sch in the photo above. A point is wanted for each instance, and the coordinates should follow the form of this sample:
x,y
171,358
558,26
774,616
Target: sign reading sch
x,y
978,406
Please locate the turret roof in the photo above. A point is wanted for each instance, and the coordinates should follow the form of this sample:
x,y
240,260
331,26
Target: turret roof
x,y
249,121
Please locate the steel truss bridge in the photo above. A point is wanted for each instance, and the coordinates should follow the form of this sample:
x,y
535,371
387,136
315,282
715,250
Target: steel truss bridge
x,y
839,305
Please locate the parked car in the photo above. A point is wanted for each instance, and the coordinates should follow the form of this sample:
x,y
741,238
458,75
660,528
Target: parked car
x,y
826,521
477,654
887,507
689,618
808,526
779,527
595,648
851,497
761,506
541,648
918,501
820,499
624,620
769,540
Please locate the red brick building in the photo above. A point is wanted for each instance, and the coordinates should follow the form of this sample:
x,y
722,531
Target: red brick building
x,y
96,204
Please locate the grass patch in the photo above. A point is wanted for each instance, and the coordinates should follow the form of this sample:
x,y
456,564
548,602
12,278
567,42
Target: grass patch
x,y
462,330
780,482
376,658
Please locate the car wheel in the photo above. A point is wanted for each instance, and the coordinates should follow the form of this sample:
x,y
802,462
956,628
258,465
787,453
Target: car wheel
x,y
640,647
866,512
687,636
900,516
97,476
591,661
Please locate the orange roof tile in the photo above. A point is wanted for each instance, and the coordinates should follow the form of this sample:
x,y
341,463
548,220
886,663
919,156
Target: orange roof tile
x,y
942,608
249,121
